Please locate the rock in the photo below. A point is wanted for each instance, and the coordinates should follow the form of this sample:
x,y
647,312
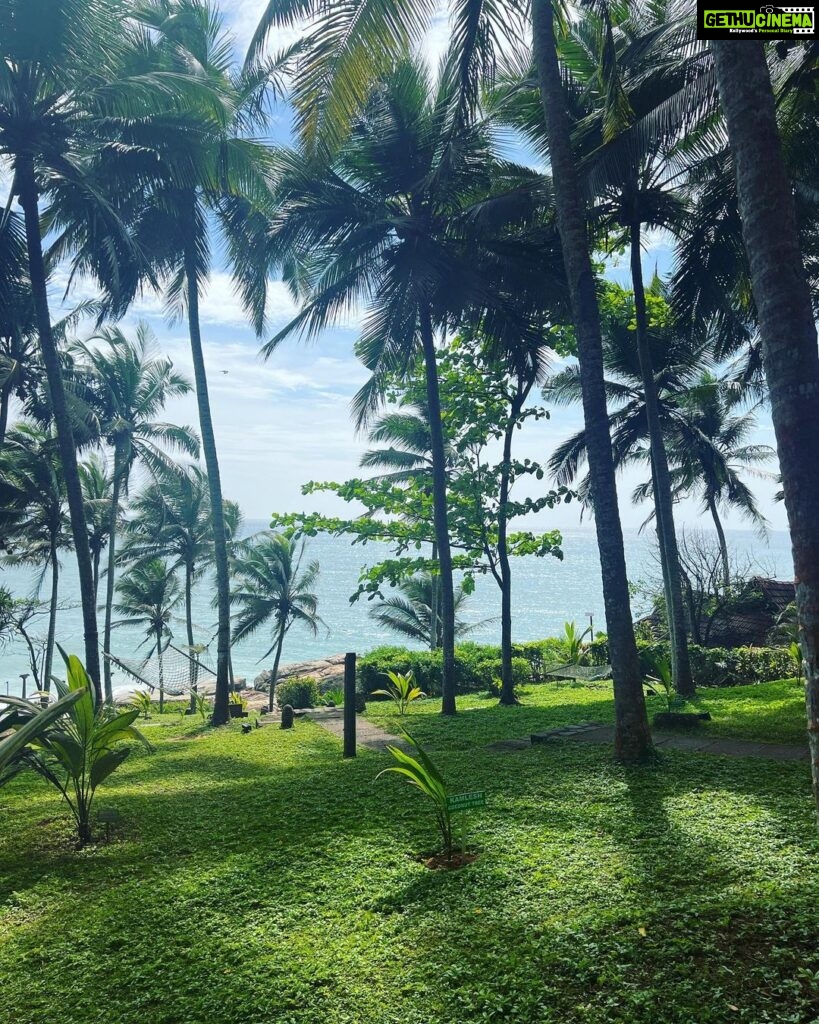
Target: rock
x,y
287,717
326,671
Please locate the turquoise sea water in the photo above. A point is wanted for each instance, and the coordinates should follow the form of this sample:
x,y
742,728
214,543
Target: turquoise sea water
x,y
546,593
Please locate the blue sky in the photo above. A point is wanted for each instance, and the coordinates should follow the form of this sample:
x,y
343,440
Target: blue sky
x,y
285,421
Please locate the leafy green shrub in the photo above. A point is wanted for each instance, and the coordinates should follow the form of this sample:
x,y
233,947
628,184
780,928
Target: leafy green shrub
x,y
299,693
333,697
426,668
719,666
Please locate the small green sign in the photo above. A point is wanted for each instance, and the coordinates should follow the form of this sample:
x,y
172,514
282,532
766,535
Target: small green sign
x,y
465,801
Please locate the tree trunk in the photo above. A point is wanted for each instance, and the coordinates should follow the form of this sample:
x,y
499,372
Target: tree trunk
x,y
5,401
221,713
439,500
96,571
29,200
274,675
434,631
52,618
507,695
663,490
723,544
192,669
161,672
116,485
786,326
632,735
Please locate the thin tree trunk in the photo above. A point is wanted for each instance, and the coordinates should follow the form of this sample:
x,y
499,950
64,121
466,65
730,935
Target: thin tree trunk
x,y
113,514
96,569
221,713
52,618
192,670
723,543
786,326
663,490
274,675
632,735
161,673
5,401
29,200
507,695
433,606
439,500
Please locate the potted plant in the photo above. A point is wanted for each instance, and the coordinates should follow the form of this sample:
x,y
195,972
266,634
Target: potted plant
x,y
237,706
661,684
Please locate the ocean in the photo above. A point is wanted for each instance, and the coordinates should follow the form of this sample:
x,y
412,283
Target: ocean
x,y
546,593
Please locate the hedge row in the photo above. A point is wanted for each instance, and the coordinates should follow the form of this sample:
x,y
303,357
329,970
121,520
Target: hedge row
x,y
478,665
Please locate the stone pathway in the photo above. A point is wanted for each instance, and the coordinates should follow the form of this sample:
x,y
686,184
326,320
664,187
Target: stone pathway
x,y
367,734
595,732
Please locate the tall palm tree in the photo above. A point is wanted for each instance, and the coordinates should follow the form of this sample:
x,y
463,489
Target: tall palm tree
x,y
97,490
273,589
208,175
63,99
394,222
343,52
707,451
412,613
786,325
34,512
171,519
130,386
148,595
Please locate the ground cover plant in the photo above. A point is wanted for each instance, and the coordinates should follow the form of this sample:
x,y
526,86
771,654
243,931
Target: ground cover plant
x,y
262,878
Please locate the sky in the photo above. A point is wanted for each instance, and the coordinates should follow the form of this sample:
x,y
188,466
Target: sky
x,y
284,421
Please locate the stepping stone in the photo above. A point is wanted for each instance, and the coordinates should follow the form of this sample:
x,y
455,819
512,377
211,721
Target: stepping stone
x,y
503,745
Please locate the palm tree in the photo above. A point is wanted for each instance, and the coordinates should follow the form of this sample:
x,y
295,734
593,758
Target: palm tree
x,y
272,588
413,614
97,491
148,596
395,223
408,456
130,386
786,325
343,53
33,516
171,519
707,451
207,173
61,94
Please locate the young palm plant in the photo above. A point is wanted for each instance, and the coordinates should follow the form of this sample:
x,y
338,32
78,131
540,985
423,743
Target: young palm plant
x,y
80,747
271,588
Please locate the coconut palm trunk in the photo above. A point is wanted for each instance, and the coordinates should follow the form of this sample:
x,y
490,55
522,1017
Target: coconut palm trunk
x,y
192,670
221,713
723,543
439,500
434,601
29,200
52,617
786,326
161,671
274,675
116,485
507,695
663,490
632,735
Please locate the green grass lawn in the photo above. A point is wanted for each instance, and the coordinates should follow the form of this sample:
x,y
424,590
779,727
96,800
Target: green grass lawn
x,y
261,878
